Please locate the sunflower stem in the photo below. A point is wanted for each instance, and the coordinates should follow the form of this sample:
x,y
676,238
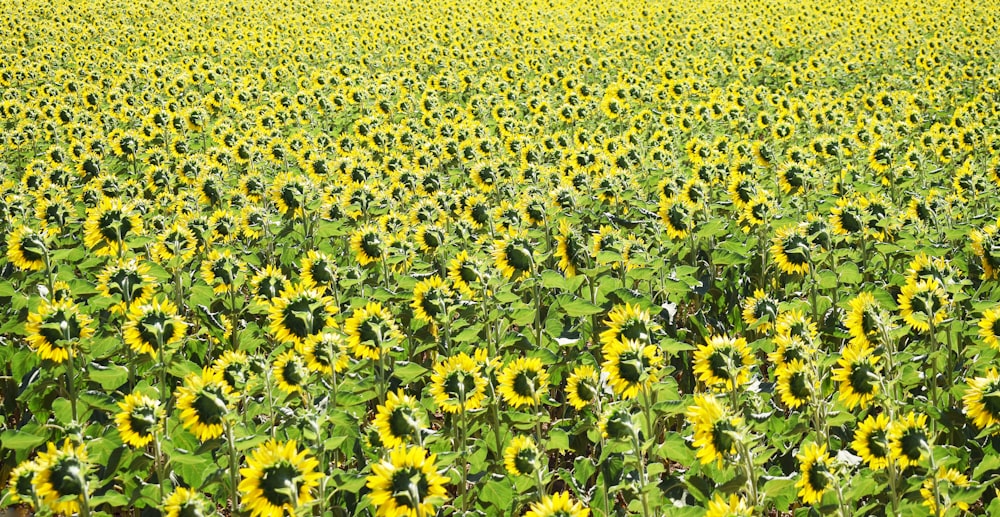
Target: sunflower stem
x,y
642,472
161,477
233,466
70,384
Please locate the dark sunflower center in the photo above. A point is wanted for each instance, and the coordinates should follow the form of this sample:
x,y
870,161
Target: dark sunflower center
x,y
518,256
868,325
372,330
302,317
276,481
432,302
584,390
52,331
66,476
525,460
480,214
125,283
798,386
31,248
861,378
401,422
156,325
818,479
209,406
468,273
432,239
765,307
996,327
912,443
525,383
717,362
270,287
721,436
293,373
878,445
114,225
371,245
851,221
630,367
991,399
677,217
290,195
796,249
142,420
190,510
460,385
409,487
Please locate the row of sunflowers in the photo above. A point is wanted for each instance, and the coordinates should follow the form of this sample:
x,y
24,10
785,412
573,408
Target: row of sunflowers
x,y
533,257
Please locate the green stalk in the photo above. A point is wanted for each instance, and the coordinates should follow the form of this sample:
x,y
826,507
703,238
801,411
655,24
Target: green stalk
x,y
234,465
641,457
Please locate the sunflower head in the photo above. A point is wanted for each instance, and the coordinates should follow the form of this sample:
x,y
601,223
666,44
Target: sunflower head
x,y
27,249
863,319
514,256
431,299
858,371
290,371
989,327
371,331
55,327
559,504
816,478
407,483
947,481
723,362
368,244
909,442
458,384
791,249
300,312
400,420
616,423
760,310
20,488
524,382
278,478
982,401
129,280
234,365
184,502
735,506
794,385
205,401
871,440
62,479
522,457
628,322
139,420
583,386
716,430
151,326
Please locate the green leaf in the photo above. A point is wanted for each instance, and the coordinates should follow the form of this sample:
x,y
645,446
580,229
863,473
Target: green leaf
x,y
674,347
675,448
62,410
552,279
849,273
251,441
20,440
114,499
6,289
826,279
558,440
408,372
109,377
577,307
498,493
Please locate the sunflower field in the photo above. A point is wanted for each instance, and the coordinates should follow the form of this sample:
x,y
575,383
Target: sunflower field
x,y
511,258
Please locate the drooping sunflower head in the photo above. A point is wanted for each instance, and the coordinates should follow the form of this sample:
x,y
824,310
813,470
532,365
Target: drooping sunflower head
x,y
268,284
368,244
318,270
184,502
371,331
139,420
871,440
522,457
62,477
524,382
982,401
407,484
26,249
923,304
234,365
559,504
715,429
794,384
632,365
947,482
325,353
431,299
677,217
150,326
815,467
129,280
21,488
859,373
221,270
791,249
723,362
300,312
458,384
583,386
989,327
278,478
571,249
109,225
616,423
465,273
514,256
909,442
204,402
56,326
760,310
400,420
290,371
628,322
862,319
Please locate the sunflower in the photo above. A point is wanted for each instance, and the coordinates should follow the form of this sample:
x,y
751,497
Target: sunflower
x,y
513,255
616,423
234,365
278,478
431,299
570,249
797,324
583,386
368,244
715,429
757,211
318,270
290,371
109,225
908,440
794,385
204,401
55,327
989,327
677,216
524,382
631,366
20,488
61,481
628,322
522,457
221,270
923,302
407,484
300,312
370,331
325,353
457,384
848,217
27,249
139,420
400,420
290,192
985,242
723,362
184,502
790,248
558,504
152,325
734,507
758,307
129,279
814,465
862,320
871,440
944,479
268,283
858,371
177,243
982,401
